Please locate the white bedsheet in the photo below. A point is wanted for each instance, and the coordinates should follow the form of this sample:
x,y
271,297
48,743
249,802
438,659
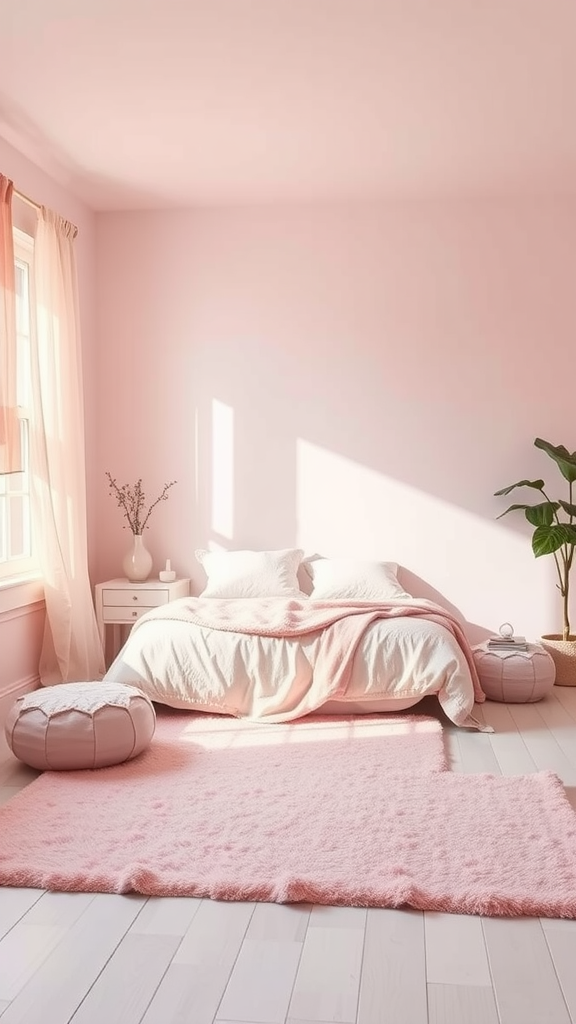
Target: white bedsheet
x,y
397,662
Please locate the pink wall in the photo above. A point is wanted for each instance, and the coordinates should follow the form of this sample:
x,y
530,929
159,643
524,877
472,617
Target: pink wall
x,y
385,368
21,629
388,368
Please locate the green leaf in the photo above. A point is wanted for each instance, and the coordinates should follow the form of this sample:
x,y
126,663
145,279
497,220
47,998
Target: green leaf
x,y
565,460
570,509
543,514
571,532
538,484
547,539
512,508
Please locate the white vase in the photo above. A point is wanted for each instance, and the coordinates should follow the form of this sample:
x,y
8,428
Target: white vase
x,y
137,562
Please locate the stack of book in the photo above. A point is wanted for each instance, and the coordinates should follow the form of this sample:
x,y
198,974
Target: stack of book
x,y
507,643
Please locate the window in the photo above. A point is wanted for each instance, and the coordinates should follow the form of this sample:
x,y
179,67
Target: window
x,y
16,540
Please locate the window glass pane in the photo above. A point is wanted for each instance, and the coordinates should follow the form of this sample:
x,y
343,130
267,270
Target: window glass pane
x,y
25,447
23,332
26,527
15,513
17,521
16,483
22,297
23,371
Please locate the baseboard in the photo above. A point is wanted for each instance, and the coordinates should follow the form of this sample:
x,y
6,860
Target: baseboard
x,y
31,682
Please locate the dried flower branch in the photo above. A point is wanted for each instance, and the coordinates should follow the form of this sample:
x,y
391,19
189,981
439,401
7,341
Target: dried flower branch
x,y
132,501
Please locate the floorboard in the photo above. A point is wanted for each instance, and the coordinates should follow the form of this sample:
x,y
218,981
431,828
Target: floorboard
x,y
561,939
122,992
14,904
459,1004
525,983
393,979
328,979
455,950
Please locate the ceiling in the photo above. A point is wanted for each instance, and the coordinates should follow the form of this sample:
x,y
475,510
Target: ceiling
x,y
157,103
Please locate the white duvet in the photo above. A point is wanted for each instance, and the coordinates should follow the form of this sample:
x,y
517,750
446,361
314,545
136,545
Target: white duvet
x,y
397,661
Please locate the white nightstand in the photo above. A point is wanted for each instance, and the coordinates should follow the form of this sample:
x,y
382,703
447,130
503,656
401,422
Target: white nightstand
x,y
120,602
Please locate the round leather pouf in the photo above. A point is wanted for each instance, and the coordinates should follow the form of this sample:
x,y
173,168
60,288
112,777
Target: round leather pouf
x,y
515,677
80,725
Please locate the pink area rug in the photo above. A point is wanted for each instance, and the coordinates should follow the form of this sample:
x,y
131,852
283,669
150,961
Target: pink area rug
x,y
338,811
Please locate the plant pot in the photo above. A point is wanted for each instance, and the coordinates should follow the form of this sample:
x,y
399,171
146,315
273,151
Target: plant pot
x,y
564,654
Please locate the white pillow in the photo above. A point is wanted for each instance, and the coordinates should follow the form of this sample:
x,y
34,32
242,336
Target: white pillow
x,y
352,579
251,573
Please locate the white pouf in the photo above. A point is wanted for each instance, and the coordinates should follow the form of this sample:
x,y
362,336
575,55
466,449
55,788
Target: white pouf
x,y
515,677
80,725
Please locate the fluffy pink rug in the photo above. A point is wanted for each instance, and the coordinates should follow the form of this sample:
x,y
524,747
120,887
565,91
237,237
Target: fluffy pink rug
x,y
345,812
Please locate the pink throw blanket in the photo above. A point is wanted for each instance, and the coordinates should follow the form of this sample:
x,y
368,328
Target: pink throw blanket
x,y
342,624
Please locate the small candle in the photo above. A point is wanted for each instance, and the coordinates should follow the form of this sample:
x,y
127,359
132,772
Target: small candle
x,y
168,566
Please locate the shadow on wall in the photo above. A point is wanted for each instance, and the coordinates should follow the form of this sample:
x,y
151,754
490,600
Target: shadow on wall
x,y
419,588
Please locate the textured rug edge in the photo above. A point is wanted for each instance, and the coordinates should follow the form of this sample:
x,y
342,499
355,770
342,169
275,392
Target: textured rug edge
x,y
140,881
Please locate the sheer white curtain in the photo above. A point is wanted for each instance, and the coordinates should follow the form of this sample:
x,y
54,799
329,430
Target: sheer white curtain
x,y
9,424
71,649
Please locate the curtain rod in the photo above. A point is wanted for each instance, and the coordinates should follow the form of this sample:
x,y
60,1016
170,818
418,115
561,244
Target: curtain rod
x,y
37,206
26,199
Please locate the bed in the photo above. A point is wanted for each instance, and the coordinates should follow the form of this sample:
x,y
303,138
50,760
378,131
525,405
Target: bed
x,y
276,657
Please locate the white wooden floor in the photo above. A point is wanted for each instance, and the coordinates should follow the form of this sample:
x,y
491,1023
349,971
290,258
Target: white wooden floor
x,y
99,959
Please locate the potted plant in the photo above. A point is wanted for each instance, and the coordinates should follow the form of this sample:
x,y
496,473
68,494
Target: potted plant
x,y
554,522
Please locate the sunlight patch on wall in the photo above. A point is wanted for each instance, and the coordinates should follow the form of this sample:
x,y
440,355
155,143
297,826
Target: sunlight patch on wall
x,y
345,509
222,518
213,545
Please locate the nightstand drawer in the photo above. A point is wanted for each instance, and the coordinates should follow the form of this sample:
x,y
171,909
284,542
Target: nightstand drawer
x,y
120,602
119,614
143,597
